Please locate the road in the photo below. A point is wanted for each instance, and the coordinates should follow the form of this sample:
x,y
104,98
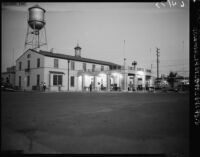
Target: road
x,y
128,123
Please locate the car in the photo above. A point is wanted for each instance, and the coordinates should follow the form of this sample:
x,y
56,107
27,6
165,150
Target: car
x,y
173,89
6,87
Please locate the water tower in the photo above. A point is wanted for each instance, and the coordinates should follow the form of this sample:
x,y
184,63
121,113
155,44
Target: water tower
x,y
36,32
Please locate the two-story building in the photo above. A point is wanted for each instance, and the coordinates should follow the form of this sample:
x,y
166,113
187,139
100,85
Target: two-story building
x,y
62,72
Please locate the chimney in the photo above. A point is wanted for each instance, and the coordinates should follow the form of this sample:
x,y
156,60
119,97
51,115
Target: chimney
x,y
51,50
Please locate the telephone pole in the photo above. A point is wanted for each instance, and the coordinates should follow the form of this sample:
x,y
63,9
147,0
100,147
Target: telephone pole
x,y
124,67
157,54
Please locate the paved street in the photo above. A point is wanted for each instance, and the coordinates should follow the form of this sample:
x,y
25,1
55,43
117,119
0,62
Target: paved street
x,y
96,122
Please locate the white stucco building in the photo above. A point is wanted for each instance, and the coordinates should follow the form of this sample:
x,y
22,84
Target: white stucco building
x,y
74,73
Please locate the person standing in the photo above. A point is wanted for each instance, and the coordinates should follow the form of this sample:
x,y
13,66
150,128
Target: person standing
x,y
90,87
101,86
44,86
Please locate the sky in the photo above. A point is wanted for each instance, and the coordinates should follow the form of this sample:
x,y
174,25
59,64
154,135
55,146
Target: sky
x,y
101,29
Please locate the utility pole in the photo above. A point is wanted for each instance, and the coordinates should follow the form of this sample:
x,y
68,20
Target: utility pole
x,y
68,75
13,57
157,53
183,60
124,67
124,73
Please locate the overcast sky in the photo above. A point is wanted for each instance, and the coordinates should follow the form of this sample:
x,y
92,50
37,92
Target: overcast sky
x,y
101,28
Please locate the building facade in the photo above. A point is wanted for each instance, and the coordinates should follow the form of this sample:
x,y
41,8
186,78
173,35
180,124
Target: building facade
x,y
74,73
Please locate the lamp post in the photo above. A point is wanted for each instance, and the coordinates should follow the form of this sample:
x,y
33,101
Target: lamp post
x,y
134,63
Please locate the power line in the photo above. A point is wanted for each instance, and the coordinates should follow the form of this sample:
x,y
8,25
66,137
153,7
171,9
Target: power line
x,y
173,65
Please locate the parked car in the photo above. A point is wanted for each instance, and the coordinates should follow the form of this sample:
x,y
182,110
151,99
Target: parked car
x,y
173,89
6,87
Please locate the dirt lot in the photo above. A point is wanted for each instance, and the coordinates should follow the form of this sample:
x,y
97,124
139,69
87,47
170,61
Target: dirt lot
x,y
96,122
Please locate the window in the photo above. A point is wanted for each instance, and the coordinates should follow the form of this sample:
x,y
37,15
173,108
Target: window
x,y
38,62
29,56
55,63
19,81
72,65
102,68
93,67
28,81
38,80
72,81
20,65
84,66
28,65
57,80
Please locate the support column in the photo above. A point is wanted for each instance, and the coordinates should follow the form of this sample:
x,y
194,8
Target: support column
x,y
49,81
83,82
125,82
135,82
108,82
144,82
125,88
94,83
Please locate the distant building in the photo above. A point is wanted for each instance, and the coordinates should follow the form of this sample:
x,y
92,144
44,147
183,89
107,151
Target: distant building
x,y
182,83
9,75
63,72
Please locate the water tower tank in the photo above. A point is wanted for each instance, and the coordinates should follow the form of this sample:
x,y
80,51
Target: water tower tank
x,y
36,17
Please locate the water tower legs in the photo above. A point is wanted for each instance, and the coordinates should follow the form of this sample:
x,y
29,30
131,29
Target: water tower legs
x,y
35,38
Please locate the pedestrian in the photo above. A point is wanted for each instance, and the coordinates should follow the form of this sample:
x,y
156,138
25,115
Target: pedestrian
x,y
90,87
101,86
44,86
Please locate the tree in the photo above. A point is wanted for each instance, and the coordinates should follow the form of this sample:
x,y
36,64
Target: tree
x,y
171,78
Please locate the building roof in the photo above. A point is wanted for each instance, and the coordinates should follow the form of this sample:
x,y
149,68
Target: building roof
x,y
5,73
69,57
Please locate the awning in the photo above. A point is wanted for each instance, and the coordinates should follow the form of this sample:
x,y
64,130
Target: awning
x,y
56,72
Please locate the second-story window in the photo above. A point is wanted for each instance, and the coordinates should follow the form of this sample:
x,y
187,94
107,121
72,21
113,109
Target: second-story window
x,y
102,68
20,65
84,66
72,65
55,63
93,67
38,62
28,65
